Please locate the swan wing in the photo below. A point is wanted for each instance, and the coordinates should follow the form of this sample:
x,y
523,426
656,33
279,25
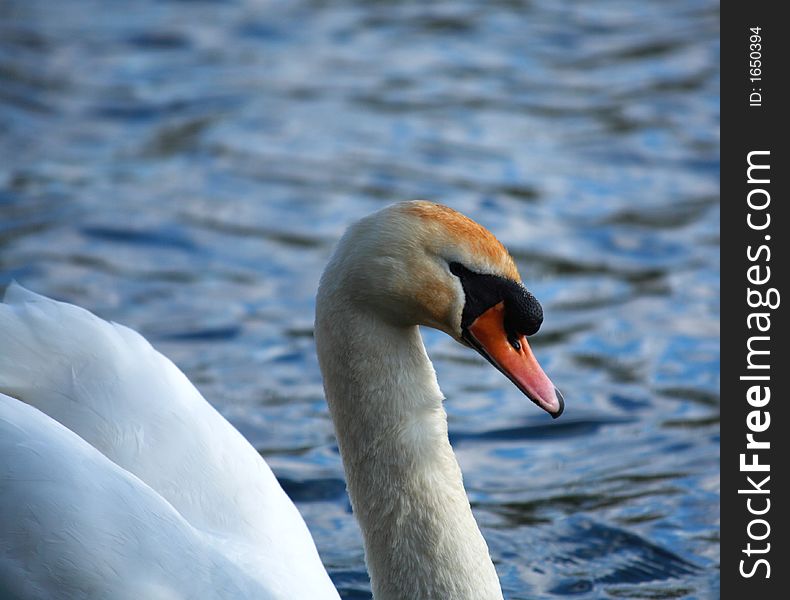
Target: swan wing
x,y
76,525
107,385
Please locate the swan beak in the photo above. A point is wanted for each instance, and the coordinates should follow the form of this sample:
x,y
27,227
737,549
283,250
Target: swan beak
x,y
487,335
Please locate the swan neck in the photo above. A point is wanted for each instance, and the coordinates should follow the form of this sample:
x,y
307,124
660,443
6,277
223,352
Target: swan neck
x,y
405,485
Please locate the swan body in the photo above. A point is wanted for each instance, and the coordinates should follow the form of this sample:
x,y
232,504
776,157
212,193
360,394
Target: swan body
x,y
118,480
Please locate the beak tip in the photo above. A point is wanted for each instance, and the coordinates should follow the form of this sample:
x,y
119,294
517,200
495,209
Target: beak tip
x,y
561,402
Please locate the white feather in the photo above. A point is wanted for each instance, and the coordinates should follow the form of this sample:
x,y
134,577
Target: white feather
x,y
137,477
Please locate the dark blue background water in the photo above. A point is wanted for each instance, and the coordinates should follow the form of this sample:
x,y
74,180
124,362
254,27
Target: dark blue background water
x,y
185,168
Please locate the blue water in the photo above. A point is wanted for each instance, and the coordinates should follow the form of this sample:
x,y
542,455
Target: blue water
x,y
185,168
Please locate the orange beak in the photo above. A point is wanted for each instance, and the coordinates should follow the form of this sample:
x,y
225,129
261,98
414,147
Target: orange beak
x,y
487,335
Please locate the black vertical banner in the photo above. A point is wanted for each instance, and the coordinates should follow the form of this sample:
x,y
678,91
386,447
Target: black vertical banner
x,y
755,443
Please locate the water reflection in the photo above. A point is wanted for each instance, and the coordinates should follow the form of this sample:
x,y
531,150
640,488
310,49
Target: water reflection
x,y
186,167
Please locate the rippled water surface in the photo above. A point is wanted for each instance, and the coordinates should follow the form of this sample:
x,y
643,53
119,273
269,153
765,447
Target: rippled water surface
x,y
185,168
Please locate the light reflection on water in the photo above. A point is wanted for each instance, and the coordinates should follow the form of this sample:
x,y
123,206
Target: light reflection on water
x,y
185,167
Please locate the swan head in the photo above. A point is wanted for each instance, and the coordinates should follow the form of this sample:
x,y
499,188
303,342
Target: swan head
x,y
420,263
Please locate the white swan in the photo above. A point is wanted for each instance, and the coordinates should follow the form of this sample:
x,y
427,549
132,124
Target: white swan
x,y
118,480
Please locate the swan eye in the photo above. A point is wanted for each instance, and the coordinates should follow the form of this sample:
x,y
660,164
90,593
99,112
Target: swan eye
x,y
458,269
